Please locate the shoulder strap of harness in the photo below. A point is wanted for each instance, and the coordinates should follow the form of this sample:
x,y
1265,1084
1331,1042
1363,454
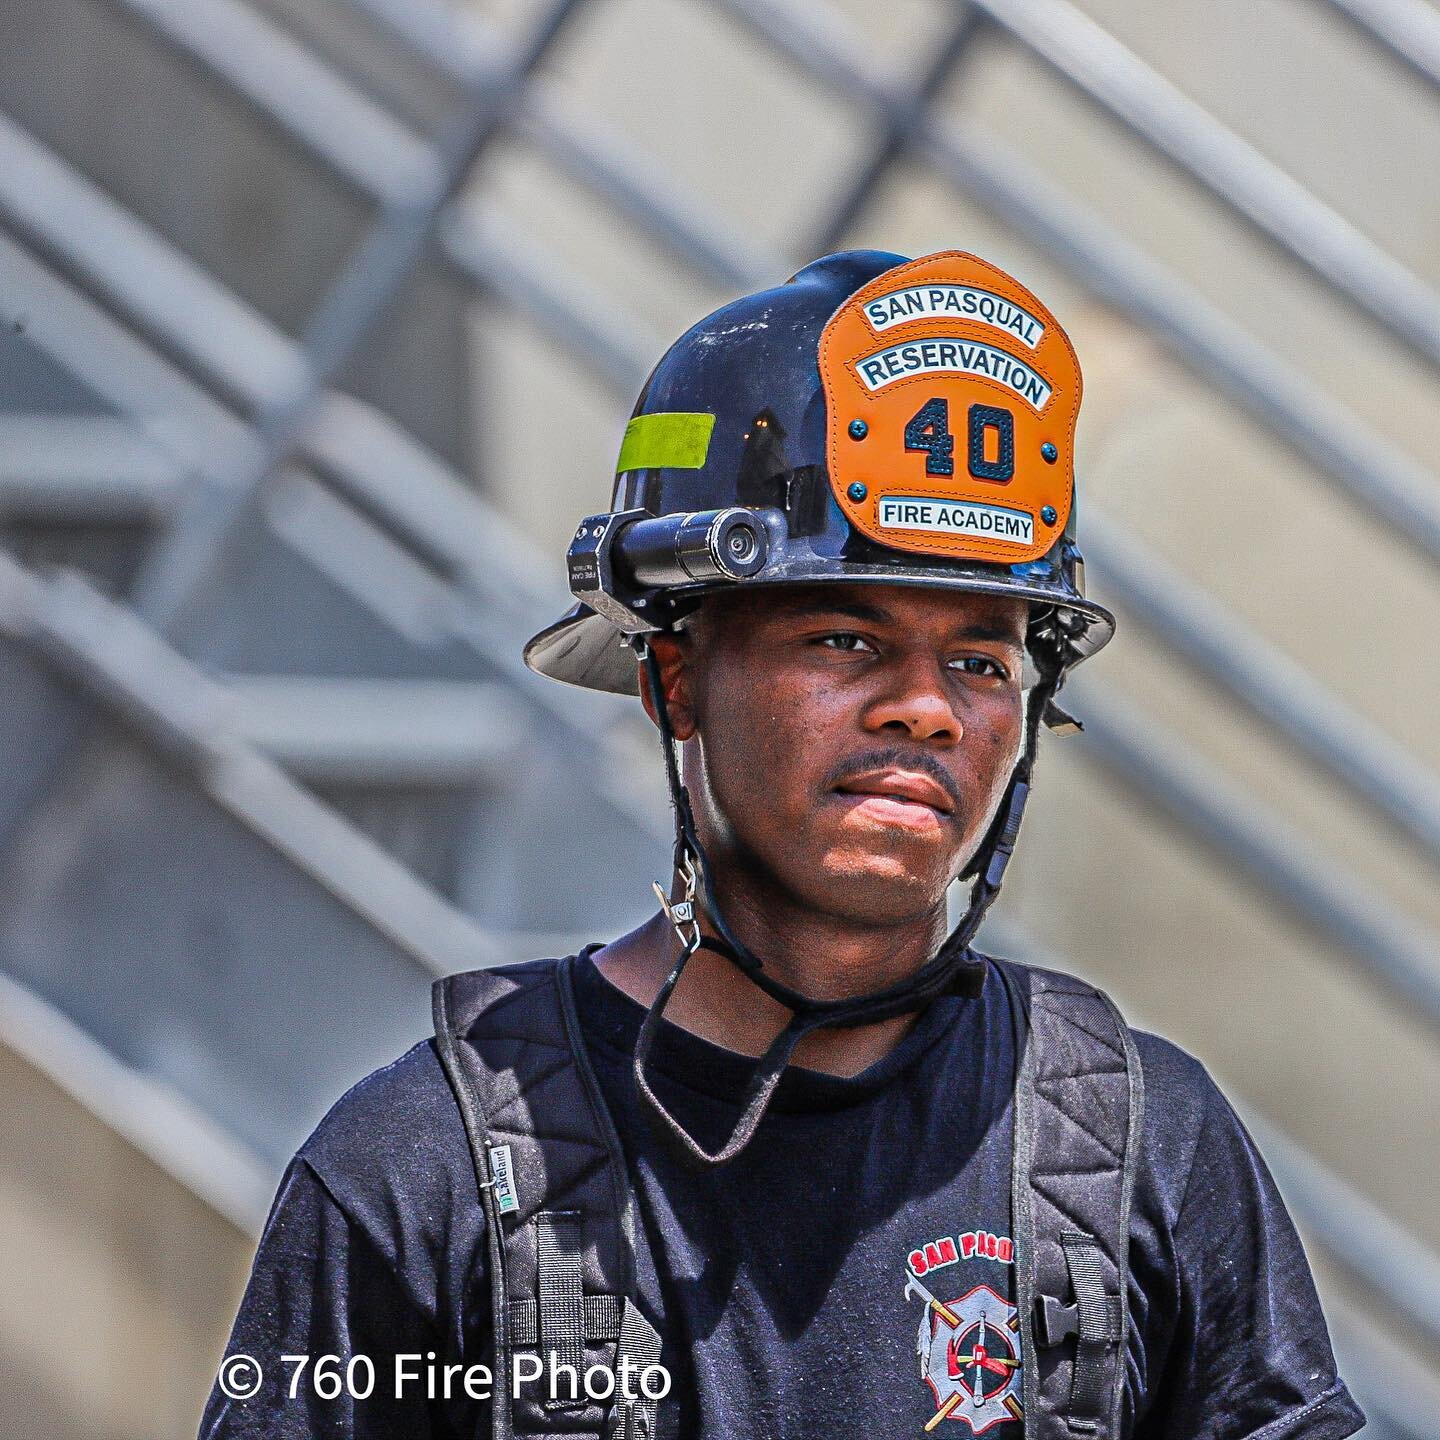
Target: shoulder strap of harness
x,y
1079,1108
559,1217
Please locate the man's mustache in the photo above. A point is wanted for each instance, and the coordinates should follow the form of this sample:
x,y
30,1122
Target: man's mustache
x,y
896,757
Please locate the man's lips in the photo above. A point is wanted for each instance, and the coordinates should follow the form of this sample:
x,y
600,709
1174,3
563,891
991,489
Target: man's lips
x,y
905,786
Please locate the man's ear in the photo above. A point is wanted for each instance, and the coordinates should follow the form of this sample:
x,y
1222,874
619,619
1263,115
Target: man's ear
x,y
674,655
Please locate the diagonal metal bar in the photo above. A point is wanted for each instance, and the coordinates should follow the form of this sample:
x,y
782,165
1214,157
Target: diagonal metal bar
x,y
1399,954
1260,677
180,563
330,118
1391,1264
334,121
1385,482
521,271
461,45
1232,170
1402,1405
234,351
82,468
157,1120
122,664
1408,29
965,25
83,231
505,594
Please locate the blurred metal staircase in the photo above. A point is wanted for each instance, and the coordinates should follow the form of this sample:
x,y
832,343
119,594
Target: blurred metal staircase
x,y
272,759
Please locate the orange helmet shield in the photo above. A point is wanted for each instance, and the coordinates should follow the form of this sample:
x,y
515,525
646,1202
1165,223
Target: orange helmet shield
x,y
951,397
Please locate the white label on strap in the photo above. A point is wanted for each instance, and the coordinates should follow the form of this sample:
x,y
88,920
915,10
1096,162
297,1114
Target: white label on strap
x,y
502,1177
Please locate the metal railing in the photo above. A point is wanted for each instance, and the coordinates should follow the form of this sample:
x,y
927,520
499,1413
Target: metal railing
x,y
272,72
1254,673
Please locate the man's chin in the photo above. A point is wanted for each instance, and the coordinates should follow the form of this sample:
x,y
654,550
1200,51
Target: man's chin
x,y
876,889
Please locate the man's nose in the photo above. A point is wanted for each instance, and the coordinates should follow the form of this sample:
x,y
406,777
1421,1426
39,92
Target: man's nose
x,y
916,698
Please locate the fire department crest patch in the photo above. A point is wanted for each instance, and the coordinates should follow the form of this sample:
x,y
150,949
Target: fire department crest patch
x,y
969,1354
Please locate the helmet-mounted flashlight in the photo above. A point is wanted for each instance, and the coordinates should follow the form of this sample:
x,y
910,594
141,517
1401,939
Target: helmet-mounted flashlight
x,y
616,562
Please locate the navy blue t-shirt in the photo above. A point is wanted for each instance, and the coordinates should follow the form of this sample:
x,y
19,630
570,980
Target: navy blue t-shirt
x,y
850,1274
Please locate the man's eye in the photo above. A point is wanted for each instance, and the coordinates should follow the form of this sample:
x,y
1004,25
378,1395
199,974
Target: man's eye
x,y
844,640
980,665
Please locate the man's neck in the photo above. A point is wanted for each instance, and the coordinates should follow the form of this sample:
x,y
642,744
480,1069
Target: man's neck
x,y
813,955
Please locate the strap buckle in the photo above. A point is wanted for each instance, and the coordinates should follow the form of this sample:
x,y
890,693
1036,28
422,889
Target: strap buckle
x,y
1054,1320
682,914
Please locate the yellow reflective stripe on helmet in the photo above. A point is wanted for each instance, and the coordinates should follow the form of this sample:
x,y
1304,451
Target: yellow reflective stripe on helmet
x,y
674,441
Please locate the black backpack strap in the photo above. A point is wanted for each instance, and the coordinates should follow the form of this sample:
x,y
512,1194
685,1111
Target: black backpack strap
x,y
559,1216
1079,1109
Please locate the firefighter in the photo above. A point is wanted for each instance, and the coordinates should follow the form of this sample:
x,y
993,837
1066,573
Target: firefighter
x,y
795,1152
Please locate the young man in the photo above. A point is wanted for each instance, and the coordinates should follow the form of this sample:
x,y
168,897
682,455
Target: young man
x,y
788,1160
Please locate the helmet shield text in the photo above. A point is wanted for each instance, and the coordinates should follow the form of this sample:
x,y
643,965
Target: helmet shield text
x,y
951,397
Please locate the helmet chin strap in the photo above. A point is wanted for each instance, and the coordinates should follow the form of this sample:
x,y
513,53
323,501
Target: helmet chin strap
x,y
953,969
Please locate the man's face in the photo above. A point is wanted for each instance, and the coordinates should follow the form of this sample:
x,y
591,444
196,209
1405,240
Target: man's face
x,y
848,744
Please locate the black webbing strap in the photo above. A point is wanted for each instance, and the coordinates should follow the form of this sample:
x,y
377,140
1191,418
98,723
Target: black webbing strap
x,y
559,1277
1097,1330
550,1175
472,1116
602,1321
1079,1109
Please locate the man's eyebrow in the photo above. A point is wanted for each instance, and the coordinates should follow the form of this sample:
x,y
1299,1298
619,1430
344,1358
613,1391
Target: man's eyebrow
x,y
855,609
878,615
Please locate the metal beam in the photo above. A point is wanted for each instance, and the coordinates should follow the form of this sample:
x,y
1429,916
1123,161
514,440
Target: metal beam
x,y
518,269
331,119
376,733
966,23
233,350
340,126
464,47
1265,681
1399,953
179,565
122,665
82,467
1408,29
146,1113
1390,1264
499,586
172,300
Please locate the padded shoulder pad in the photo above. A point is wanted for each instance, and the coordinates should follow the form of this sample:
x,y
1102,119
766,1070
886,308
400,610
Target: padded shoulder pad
x,y
548,1165
1079,1106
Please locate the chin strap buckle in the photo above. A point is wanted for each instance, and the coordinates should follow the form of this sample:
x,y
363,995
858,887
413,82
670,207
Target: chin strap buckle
x,y
682,913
